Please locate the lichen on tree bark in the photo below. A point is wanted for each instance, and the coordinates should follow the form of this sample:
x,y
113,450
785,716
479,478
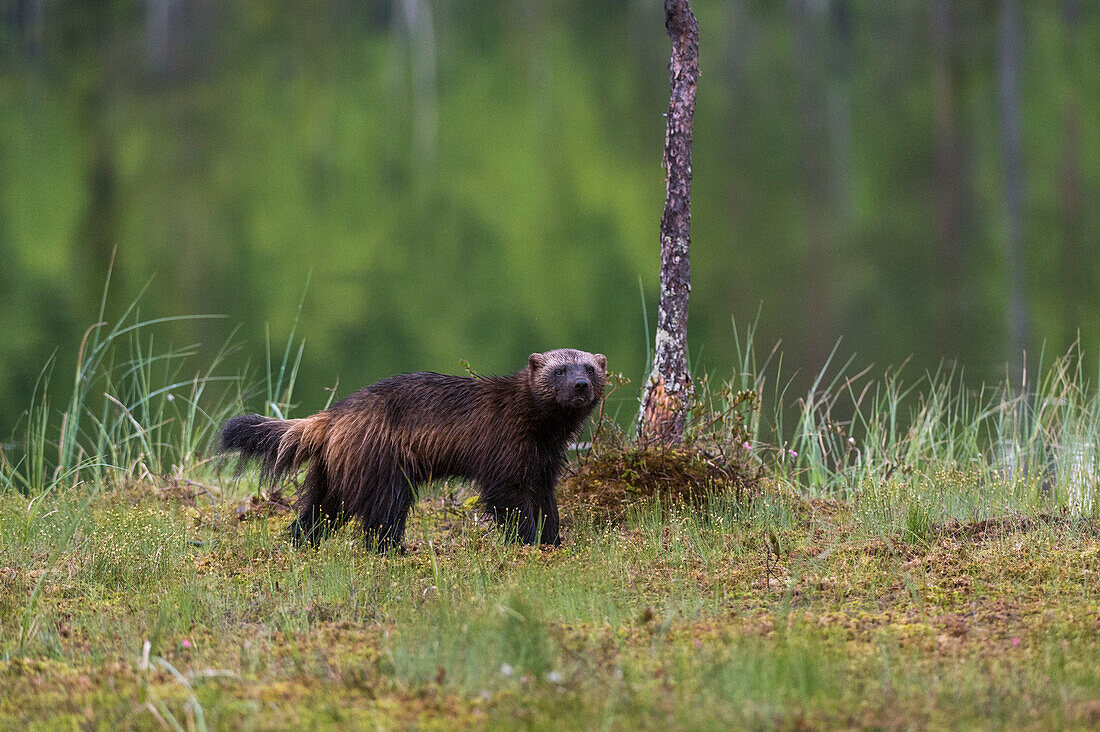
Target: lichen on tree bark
x,y
668,390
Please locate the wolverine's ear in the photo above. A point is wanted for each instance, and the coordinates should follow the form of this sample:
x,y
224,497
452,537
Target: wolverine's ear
x,y
601,361
536,361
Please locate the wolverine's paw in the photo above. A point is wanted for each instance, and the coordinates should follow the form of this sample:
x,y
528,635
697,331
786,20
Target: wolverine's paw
x,y
302,535
386,546
297,535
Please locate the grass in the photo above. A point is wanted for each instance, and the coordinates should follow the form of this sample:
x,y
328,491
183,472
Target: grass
x,y
784,612
921,555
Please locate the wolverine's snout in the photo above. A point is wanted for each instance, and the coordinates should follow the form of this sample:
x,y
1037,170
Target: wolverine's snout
x,y
576,392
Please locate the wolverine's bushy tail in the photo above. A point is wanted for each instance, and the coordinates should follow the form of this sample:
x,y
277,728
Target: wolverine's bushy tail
x,y
276,443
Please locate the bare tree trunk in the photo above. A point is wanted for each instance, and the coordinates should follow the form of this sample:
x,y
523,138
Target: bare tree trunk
x,y
951,185
1069,186
27,20
669,391
417,16
840,44
161,17
814,180
97,233
1014,179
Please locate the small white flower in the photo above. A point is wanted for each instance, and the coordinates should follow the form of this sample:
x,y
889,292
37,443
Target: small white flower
x,y
555,677
506,670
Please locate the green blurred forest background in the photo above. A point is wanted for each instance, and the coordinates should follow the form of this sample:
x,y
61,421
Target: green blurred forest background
x,y
468,180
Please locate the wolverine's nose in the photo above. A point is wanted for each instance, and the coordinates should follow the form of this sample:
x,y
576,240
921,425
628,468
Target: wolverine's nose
x,y
581,386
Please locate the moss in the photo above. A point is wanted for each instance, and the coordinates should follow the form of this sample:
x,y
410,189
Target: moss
x,y
608,483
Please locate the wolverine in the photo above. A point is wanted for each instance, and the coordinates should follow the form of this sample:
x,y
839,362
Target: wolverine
x,y
367,454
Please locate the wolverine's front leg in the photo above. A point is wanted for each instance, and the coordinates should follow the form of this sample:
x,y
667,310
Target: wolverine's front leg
x,y
532,515
540,522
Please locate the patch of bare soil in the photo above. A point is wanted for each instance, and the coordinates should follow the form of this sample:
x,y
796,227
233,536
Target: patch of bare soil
x,y
265,505
1004,525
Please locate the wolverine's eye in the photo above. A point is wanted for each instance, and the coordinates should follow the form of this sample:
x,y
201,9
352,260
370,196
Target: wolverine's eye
x,y
559,371
589,369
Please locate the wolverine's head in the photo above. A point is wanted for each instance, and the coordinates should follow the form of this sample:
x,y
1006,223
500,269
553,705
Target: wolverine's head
x,y
570,379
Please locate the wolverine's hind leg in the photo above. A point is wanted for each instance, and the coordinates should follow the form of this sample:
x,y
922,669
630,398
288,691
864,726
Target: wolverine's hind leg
x,y
320,510
384,509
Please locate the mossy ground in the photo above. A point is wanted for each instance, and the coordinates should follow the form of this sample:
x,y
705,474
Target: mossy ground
x,y
156,605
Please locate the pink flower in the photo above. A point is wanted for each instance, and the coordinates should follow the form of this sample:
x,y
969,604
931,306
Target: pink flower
x,y
792,453
1015,642
185,643
746,445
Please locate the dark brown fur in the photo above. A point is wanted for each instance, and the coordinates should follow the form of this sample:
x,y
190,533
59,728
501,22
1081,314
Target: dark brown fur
x,y
367,454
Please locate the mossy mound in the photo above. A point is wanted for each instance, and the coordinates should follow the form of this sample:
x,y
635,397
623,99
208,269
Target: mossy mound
x,y
606,484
